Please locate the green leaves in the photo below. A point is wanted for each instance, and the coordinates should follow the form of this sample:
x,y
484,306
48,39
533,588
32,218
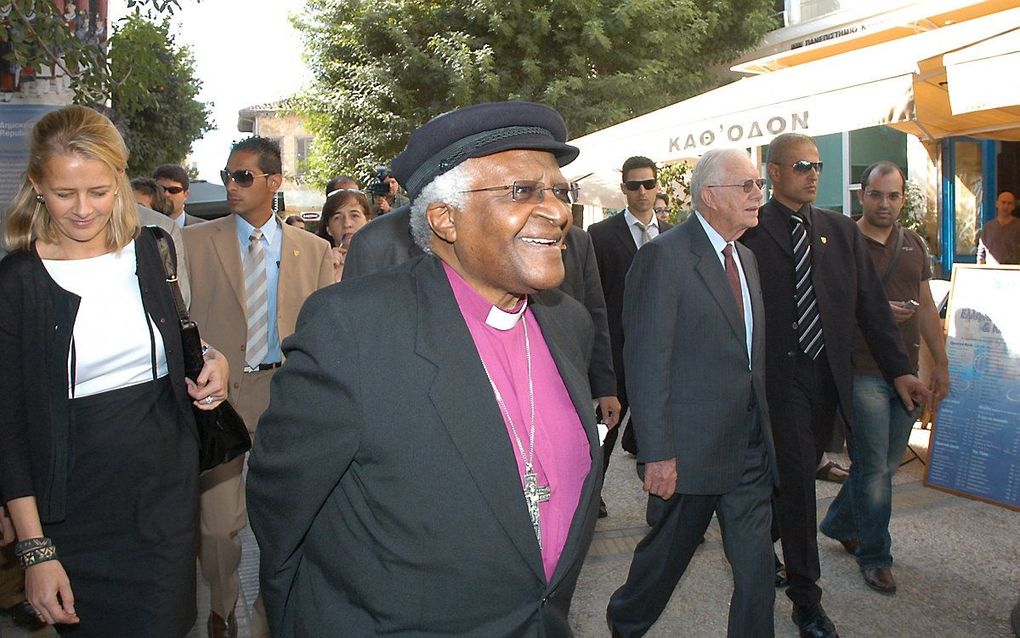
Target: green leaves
x,y
383,68
155,93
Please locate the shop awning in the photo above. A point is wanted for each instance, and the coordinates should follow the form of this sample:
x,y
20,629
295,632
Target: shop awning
x,y
969,70
899,83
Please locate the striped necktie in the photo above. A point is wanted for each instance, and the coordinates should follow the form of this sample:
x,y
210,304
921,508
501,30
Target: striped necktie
x,y
809,324
645,235
256,291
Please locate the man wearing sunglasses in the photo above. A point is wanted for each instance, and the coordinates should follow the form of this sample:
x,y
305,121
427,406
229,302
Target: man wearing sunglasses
x,y
819,287
695,355
429,464
616,241
250,276
174,180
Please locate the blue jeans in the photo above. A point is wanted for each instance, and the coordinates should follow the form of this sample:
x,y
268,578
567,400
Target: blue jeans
x,y
878,438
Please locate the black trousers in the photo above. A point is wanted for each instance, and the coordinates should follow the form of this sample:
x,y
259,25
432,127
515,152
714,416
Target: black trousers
x,y
678,525
798,424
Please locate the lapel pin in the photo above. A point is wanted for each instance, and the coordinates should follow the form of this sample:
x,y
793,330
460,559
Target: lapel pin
x,y
297,253
825,239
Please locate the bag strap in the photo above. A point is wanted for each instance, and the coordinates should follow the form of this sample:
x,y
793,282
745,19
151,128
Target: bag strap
x,y
170,269
896,255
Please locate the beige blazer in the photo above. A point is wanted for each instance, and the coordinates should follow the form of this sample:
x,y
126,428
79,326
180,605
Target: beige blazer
x,y
217,284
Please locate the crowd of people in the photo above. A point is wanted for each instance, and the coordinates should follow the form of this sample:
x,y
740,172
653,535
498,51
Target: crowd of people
x,y
431,435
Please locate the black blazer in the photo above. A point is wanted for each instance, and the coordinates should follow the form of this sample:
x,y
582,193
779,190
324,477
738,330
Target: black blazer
x,y
849,293
36,324
383,489
614,252
383,243
690,383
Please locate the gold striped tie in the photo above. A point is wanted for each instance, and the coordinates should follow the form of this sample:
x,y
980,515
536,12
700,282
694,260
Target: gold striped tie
x,y
256,291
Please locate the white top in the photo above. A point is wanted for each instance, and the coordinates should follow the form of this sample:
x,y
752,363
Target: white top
x,y
111,342
718,243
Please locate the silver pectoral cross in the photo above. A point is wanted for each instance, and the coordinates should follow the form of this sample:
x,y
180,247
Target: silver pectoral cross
x,y
535,494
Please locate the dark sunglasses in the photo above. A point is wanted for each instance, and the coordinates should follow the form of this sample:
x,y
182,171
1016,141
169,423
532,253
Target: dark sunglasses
x,y
803,166
174,190
244,178
526,191
748,185
634,184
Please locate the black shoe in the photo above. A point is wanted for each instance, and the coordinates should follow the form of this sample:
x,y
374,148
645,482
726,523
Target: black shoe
x,y
603,512
813,623
23,615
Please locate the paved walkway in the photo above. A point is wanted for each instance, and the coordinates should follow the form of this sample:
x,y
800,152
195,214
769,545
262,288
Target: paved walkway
x,y
957,566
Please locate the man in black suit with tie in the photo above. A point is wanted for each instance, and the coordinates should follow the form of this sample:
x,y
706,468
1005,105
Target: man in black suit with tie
x,y
695,351
429,464
820,287
616,241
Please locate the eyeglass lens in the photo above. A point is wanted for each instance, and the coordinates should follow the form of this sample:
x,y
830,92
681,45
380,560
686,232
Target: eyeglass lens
x,y
803,166
174,190
243,178
634,184
528,191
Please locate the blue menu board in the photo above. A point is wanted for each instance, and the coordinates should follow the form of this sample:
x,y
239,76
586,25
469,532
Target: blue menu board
x,y
975,445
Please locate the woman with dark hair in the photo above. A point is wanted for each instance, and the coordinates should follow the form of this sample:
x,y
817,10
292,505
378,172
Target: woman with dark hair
x,y
99,460
343,214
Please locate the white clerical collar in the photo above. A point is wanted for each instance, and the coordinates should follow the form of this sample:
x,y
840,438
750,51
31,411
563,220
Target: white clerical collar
x,y
505,320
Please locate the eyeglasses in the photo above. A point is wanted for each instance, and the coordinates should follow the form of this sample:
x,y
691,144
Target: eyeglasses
x,y
879,196
244,178
526,191
174,190
660,210
634,184
803,166
748,185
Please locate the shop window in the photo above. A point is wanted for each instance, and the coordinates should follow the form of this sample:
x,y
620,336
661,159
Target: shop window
x,y
871,145
830,183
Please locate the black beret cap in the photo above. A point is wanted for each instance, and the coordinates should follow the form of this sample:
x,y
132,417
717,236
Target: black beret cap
x,y
476,131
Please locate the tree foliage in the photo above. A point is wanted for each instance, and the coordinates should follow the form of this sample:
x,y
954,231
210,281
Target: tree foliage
x,y
158,107
383,67
35,33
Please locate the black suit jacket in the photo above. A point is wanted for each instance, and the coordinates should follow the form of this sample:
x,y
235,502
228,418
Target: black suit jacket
x,y
383,243
849,293
690,382
383,488
614,252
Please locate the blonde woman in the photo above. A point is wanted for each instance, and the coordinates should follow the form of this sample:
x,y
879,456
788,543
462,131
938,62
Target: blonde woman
x,y
99,461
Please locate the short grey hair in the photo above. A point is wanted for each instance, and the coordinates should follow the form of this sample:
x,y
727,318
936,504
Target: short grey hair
x,y
709,170
447,188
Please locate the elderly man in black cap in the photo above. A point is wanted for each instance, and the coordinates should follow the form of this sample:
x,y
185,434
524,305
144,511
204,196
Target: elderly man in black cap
x,y
428,464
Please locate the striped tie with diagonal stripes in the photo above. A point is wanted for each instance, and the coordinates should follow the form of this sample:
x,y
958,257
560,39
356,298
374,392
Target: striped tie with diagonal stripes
x,y
256,290
809,323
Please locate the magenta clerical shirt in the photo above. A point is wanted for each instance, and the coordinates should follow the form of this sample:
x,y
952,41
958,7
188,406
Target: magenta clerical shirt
x,y
562,454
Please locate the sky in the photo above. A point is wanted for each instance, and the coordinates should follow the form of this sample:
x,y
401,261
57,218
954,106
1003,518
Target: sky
x,y
246,53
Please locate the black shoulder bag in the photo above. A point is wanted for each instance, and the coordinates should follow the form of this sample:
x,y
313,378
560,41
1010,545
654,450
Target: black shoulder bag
x,y
222,434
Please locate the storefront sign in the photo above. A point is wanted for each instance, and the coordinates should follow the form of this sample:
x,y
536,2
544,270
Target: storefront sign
x,y
746,133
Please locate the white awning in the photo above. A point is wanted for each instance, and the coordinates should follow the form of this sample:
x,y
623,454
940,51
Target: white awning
x,y
877,85
984,76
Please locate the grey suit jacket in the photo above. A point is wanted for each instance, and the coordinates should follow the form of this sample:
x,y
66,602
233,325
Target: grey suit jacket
x,y
689,380
383,488
149,217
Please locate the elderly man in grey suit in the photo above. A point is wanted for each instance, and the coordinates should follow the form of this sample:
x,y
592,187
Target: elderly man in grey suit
x,y
694,352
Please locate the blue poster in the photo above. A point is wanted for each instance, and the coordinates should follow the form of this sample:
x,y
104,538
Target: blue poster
x,y
16,122
975,445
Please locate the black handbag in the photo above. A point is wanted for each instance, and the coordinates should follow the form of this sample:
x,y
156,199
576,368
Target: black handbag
x,y
222,434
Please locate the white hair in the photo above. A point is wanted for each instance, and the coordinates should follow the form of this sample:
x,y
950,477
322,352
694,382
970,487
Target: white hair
x,y
709,170
447,188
